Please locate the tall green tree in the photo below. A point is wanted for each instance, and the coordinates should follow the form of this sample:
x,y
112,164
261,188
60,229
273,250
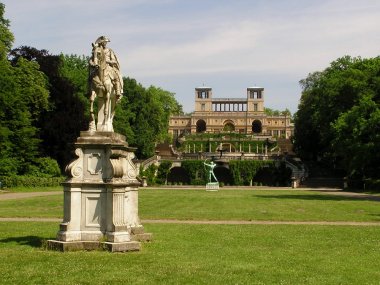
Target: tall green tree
x,y
336,107
67,115
69,112
143,116
23,97
357,139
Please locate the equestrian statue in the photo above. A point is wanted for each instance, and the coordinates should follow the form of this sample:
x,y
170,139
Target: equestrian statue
x,y
105,84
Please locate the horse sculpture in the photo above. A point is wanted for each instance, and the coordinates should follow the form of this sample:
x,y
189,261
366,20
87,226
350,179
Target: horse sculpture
x,y
102,78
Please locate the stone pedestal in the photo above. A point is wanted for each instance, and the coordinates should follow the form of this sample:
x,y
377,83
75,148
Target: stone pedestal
x,y
212,186
101,197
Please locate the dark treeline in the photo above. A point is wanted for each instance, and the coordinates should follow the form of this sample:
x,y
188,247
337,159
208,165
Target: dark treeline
x,y
44,106
338,119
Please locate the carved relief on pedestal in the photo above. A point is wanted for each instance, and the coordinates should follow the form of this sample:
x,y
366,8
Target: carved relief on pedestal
x,y
94,163
116,157
118,209
122,165
75,168
130,170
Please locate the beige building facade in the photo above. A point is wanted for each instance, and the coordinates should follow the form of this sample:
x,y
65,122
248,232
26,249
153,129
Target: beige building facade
x,y
240,115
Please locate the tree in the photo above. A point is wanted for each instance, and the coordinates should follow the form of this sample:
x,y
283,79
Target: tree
x,y
23,97
6,36
332,114
272,112
143,116
68,113
357,139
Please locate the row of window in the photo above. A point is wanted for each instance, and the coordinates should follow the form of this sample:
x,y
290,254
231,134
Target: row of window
x,y
233,107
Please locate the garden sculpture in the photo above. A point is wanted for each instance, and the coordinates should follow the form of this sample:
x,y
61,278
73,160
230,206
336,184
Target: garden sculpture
x,y
211,167
106,83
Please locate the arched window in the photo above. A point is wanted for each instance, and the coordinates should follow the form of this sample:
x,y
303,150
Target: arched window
x,y
229,127
257,127
201,126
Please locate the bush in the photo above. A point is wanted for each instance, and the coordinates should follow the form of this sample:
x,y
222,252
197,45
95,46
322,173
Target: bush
x,y
163,171
30,181
244,171
196,171
44,167
48,166
150,174
8,166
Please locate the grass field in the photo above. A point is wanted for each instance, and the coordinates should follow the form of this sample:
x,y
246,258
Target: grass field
x,y
222,205
206,254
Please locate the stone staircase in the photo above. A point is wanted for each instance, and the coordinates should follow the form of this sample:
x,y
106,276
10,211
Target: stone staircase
x,y
285,146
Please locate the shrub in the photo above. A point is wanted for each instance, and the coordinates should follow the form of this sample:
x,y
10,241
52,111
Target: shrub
x,y
196,171
150,174
163,171
244,171
8,166
30,181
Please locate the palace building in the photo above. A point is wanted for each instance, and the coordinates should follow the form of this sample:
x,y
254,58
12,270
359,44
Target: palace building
x,y
241,115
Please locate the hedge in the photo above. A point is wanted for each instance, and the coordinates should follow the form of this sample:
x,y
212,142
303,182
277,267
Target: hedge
x,y
30,181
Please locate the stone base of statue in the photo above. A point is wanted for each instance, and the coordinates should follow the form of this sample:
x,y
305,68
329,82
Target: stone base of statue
x,y
212,186
101,197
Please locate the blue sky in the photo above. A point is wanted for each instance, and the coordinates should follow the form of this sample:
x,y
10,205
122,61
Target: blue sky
x,y
228,45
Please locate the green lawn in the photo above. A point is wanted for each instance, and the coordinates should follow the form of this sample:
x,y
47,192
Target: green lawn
x,y
200,254
255,205
206,254
222,205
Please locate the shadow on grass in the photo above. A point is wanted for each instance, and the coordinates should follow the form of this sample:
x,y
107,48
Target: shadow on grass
x,y
32,241
321,197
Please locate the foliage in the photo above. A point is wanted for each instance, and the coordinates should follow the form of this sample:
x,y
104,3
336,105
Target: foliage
x,y
69,112
44,167
150,174
272,112
163,171
196,171
143,116
337,120
243,171
30,181
6,36
204,141
239,172
357,132
23,97
45,105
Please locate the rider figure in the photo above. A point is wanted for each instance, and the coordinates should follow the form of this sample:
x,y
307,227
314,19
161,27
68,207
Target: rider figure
x,y
112,61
